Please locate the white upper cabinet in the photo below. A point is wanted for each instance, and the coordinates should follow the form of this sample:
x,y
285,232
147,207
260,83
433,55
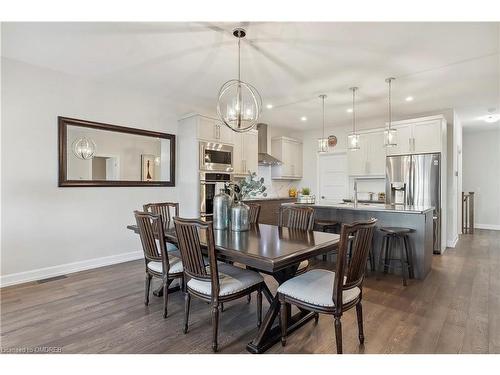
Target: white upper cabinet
x,y
419,136
245,153
369,160
289,151
214,131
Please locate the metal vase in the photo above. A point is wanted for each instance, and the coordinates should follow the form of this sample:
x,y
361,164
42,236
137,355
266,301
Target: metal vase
x,y
240,217
222,210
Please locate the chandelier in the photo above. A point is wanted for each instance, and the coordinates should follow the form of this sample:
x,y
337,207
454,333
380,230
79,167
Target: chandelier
x,y
353,138
239,103
83,148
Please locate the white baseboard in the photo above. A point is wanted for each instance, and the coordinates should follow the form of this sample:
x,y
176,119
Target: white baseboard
x,y
452,243
63,269
487,226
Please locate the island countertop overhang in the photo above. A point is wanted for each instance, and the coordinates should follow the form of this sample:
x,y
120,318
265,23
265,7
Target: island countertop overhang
x,y
369,207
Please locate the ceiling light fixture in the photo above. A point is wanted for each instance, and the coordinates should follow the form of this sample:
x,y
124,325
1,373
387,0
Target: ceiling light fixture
x,y
353,138
323,142
83,148
349,110
303,118
239,104
491,118
409,98
269,106
390,133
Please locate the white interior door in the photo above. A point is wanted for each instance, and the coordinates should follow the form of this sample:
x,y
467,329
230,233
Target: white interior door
x,y
332,178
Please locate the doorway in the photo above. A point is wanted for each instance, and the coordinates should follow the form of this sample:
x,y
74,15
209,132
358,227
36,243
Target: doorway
x,y
332,177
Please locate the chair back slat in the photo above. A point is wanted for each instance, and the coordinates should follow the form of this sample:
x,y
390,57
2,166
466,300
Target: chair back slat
x,y
253,215
296,217
188,241
360,234
164,210
152,237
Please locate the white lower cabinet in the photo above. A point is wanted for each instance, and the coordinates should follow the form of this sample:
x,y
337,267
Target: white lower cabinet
x,y
245,152
289,151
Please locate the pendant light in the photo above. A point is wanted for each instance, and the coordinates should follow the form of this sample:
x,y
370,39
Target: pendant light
x,y
323,142
390,133
353,138
83,148
239,103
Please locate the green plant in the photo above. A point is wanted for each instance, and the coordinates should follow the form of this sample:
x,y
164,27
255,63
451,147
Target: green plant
x,y
306,191
250,187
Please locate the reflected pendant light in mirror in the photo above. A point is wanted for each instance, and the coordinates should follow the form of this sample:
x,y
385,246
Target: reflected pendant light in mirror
x,y
390,134
323,142
83,148
353,138
239,103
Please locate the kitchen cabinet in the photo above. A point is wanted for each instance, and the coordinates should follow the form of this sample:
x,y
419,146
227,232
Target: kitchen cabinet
x,y
418,137
213,130
245,152
369,160
289,151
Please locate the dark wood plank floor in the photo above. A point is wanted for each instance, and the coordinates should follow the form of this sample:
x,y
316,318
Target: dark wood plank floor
x,y
456,309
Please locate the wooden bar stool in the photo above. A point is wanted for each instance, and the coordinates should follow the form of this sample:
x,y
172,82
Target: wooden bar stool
x,y
330,226
393,236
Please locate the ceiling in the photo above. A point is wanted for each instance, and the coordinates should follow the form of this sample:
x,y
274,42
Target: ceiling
x,y
442,65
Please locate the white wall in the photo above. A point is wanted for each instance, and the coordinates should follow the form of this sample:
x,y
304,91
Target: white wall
x,y
481,174
43,226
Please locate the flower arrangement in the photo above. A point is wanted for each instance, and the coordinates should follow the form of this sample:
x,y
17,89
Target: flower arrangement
x,y
252,187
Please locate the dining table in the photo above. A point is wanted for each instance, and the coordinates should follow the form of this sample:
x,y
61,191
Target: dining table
x,y
272,250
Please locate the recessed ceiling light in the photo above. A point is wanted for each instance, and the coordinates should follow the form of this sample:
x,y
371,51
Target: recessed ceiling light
x,y
303,118
349,110
491,118
409,98
269,106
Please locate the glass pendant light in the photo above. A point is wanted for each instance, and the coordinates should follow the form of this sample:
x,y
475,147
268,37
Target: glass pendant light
x,y
353,138
390,134
323,142
83,148
239,103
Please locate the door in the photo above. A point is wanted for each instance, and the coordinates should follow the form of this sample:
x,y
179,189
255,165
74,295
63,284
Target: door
x,y
397,182
425,188
427,137
403,140
332,178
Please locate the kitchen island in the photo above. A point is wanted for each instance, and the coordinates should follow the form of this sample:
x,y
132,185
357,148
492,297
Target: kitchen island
x,y
417,218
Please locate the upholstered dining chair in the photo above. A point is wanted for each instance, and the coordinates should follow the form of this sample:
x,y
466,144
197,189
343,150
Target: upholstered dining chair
x,y
297,218
214,282
159,263
328,292
167,210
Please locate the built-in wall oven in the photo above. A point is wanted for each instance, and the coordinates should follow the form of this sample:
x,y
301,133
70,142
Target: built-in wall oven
x,y
210,185
216,157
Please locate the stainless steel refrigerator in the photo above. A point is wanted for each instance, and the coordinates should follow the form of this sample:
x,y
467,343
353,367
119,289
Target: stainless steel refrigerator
x,y
415,180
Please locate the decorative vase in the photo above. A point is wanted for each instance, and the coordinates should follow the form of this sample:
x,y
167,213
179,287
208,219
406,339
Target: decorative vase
x,y
240,217
222,210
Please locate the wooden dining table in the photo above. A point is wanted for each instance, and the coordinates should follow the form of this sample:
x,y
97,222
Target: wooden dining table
x,y
272,250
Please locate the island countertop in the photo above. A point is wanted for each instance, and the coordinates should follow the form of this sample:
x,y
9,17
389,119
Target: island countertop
x,y
370,207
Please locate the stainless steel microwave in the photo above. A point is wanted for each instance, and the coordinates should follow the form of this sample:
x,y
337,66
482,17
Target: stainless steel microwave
x,y
216,157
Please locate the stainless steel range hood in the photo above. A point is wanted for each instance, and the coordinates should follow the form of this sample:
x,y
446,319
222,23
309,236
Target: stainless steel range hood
x,y
264,157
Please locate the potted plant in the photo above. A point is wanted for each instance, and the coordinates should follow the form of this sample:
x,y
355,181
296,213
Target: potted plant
x,y
305,196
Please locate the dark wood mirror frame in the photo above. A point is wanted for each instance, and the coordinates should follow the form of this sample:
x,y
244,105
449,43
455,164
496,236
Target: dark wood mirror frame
x,y
63,123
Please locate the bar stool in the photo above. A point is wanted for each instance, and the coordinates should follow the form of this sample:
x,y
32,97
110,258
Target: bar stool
x,y
330,226
392,236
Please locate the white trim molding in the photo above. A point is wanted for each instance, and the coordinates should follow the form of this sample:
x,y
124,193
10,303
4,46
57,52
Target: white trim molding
x,y
63,269
487,226
452,243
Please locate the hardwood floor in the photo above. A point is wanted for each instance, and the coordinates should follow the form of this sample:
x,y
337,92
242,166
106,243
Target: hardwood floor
x,y
454,310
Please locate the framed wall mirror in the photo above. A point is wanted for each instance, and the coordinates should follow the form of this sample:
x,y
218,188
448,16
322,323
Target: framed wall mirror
x,y
97,154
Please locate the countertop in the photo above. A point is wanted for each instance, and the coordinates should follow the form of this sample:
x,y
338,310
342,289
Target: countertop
x,y
372,207
268,199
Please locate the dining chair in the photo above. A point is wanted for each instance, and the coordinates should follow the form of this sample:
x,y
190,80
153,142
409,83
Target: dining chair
x,y
328,292
167,210
297,218
159,263
253,215
214,282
